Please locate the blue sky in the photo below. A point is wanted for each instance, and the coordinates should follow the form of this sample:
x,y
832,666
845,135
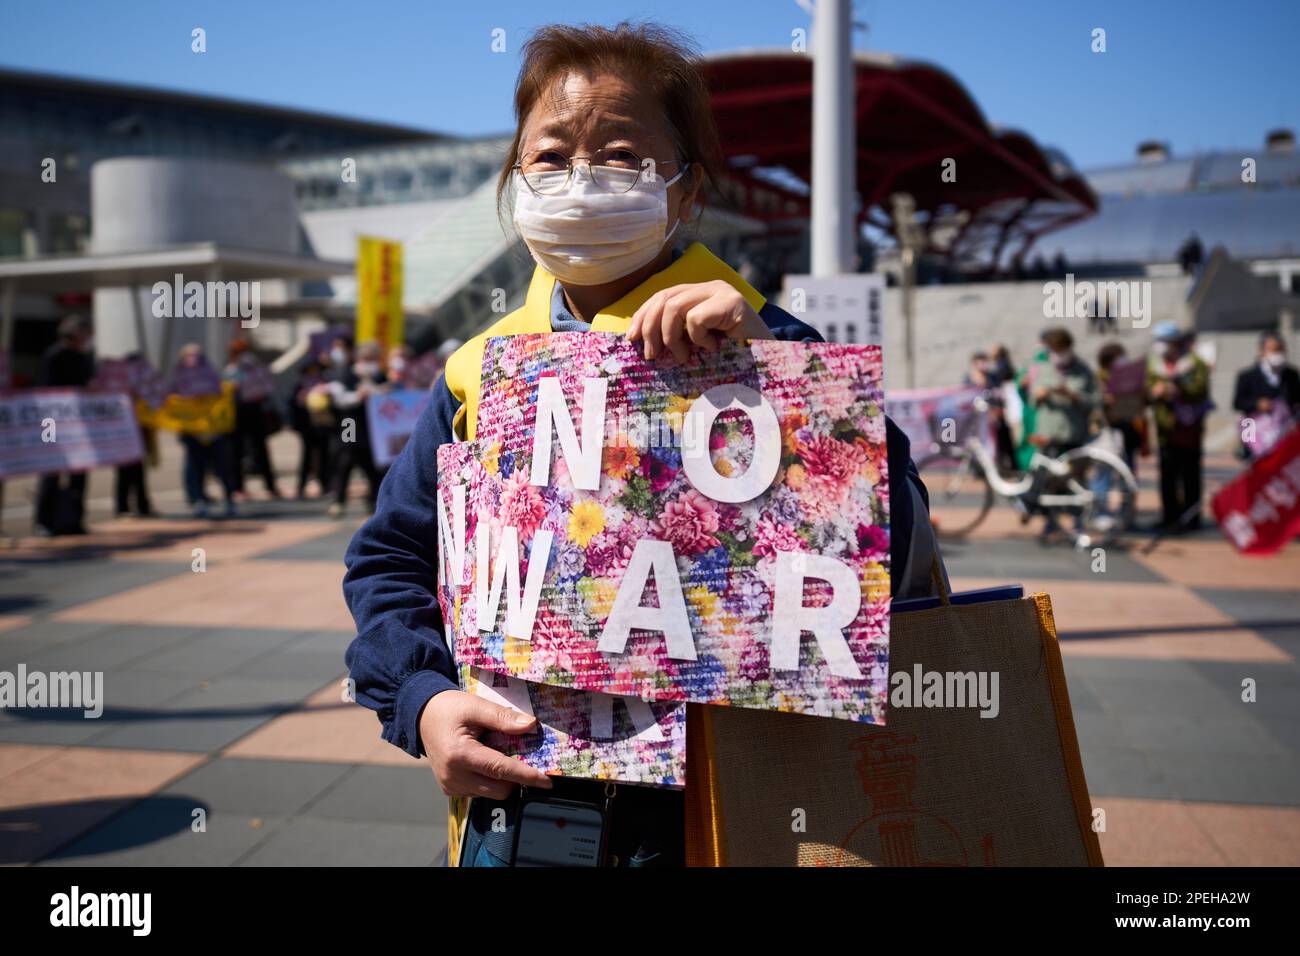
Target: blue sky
x,y
1198,74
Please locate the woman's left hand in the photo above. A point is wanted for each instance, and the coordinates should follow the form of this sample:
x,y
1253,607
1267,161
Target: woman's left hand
x,y
694,313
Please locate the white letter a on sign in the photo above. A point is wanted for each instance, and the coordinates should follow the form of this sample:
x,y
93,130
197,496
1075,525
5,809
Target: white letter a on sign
x,y
669,617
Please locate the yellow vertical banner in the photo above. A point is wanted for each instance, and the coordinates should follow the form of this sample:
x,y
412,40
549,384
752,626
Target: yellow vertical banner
x,y
379,291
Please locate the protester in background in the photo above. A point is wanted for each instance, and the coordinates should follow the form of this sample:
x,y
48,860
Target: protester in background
x,y
1267,394
1001,369
313,425
977,376
1026,450
349,384
1178,388
398,367
205,452
254,386
129,481
61,496
985,374
1064,395
1125,413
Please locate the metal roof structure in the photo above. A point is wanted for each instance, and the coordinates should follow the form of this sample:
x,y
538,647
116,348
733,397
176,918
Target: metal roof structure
x,y
28,89
1149,209
141,269
1205,172
78,272
910,117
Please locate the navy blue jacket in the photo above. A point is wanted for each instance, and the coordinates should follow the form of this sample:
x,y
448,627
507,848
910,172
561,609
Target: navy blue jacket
x,y
400,658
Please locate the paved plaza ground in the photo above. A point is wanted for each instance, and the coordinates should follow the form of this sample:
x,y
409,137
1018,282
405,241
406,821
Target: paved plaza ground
x,y
224,692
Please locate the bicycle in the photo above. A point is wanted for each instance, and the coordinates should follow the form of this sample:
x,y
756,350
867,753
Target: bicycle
x,y
1090,483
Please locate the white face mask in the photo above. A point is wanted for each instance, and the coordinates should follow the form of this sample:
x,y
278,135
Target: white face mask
x,y
1275,360
587,236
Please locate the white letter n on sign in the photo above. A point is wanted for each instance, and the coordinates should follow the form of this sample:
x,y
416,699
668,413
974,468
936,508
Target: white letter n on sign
x,y
790,618
552,412
451,537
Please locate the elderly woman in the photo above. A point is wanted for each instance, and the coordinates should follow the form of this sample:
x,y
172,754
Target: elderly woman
x,y
614,146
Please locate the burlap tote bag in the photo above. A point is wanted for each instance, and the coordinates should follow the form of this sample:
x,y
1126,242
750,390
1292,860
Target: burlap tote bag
x,y
935,786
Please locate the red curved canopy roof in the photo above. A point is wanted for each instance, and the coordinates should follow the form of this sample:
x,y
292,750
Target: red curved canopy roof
x,y
910,117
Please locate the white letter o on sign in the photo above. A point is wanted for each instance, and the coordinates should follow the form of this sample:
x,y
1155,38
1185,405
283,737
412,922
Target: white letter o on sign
x,y
698,425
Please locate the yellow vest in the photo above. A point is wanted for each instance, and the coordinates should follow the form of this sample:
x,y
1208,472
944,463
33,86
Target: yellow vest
x,y
463,374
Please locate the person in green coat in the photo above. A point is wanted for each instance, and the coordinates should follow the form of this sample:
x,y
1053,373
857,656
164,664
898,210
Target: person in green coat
x,y
1063,394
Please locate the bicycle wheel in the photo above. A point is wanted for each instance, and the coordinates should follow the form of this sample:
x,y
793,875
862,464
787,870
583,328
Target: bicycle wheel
x,y
1107,491
960,497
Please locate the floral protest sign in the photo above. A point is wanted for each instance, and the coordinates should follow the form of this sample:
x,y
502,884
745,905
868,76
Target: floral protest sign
x,y
714,531
580,733
588,734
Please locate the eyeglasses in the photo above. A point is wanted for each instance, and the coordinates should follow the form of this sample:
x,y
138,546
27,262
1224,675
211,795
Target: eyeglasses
x,y
548,172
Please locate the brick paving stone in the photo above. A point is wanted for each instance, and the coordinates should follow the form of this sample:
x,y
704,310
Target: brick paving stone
x,y
46,803
160,832
308,841
257,788
388,794
210,716
272,594
325,728
223,692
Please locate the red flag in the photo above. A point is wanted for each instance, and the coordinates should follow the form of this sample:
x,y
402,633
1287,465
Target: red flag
x,y
1259,510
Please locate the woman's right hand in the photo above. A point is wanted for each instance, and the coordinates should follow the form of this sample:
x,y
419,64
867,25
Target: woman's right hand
x,y
449,729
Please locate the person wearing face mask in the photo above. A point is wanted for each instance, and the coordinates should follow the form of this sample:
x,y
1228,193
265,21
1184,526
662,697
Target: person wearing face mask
x,y
1178,390
1064,394
399,366
349,385
1267,392
615,142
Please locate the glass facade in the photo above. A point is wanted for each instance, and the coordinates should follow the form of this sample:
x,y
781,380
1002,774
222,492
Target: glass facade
x,y
395,174
90,122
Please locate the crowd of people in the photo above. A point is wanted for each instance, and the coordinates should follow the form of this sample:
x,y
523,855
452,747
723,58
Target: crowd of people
x,y
1159,407
326,408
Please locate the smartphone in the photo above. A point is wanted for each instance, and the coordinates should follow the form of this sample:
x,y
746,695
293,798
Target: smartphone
x,y
553,832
